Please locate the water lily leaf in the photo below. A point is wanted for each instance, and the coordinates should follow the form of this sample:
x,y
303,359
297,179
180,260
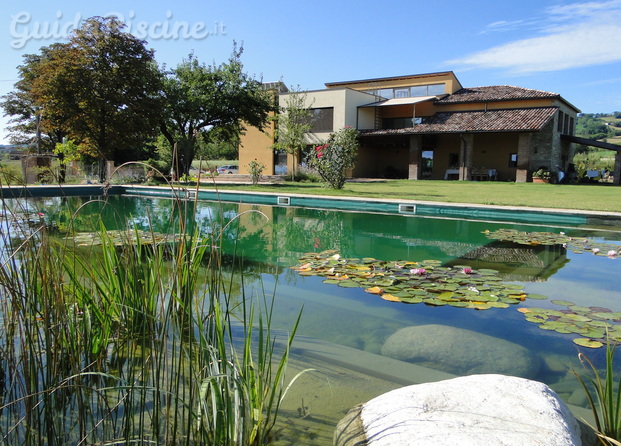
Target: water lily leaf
x,y
576,317
536,296
411,300
562,303
390,298
579,309
458,303
374,290
445,296
434,302
331,281
589,343
498,304
348,284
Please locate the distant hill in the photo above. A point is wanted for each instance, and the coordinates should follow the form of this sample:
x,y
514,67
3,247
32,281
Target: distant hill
x,y
600,126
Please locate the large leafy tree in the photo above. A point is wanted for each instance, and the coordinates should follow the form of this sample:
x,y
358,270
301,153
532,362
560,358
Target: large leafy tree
x,y
27,123
102,88
201,98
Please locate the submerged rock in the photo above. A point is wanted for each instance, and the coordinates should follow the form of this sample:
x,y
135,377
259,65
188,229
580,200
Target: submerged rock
x,y
468,411
460,351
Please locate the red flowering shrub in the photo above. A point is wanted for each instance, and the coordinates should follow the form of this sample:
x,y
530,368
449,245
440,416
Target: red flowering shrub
x,y
333,159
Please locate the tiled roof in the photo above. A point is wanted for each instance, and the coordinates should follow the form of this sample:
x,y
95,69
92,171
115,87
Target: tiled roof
x,y
511,120
495,93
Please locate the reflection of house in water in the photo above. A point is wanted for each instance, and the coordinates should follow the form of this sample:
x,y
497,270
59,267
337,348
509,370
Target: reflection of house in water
x,y
517,262
514,262
294,231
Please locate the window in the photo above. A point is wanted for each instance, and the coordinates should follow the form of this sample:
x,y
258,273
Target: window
x,y
559,126
427,166
386,93
402,92
566,124
435,90
513,160
396,123
453,160
322,119
414,91
419,90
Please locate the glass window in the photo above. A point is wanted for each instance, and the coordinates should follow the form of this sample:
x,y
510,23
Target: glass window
x,y
322,119
402,92
513,160
419,90
435,90
453,160
387,93
559,126
427,163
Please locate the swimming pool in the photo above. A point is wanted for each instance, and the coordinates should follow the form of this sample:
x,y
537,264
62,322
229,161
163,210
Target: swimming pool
x,y
345,331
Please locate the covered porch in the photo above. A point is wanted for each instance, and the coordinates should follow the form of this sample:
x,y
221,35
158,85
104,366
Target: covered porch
x,y
503,145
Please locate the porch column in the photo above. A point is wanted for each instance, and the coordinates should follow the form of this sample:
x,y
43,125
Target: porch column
x,y
523,158
465,156
617,169
415,157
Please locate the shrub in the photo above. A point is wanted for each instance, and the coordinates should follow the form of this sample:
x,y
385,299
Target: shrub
x,y
256,169
333,159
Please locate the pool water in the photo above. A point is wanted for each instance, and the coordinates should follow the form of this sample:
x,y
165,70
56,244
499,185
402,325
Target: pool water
x,y
265,242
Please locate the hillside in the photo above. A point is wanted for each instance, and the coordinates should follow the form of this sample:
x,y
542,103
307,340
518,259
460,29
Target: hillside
x,y
600,126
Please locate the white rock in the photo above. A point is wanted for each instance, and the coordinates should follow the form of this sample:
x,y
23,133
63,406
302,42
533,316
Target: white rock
x,y
477,410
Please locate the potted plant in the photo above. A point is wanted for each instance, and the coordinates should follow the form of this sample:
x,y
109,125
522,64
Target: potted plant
x,y
541,175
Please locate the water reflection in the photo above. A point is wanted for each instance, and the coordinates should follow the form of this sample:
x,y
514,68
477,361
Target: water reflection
x,y
264,242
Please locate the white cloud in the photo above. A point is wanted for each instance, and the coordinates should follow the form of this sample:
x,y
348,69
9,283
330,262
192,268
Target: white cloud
x,y
576,35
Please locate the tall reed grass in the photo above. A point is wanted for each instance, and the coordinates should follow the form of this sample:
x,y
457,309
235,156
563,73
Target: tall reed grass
x,y
143,343
603,391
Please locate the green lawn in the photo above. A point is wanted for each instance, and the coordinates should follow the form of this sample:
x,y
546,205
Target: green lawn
x,y
592,197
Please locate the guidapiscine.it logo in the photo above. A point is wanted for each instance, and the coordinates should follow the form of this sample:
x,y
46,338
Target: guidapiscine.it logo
x,y
24,29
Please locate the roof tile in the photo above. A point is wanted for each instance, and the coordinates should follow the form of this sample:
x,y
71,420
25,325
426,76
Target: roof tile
x,y
495,93
511,120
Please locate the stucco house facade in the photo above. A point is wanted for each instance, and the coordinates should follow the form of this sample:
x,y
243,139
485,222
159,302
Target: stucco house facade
x,y
428,126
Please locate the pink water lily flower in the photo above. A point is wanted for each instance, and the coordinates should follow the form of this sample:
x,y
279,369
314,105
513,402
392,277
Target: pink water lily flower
x,y
612,253
595,250
418,271
467,270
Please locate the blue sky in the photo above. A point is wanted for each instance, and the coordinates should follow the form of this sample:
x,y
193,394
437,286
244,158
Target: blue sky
x,y
567,47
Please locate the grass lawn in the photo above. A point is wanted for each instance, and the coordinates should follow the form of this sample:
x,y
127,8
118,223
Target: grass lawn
x,y
592,197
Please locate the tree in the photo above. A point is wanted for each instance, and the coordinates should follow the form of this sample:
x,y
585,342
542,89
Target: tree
x,y
334,159
294,123
28,124
200,99
102,88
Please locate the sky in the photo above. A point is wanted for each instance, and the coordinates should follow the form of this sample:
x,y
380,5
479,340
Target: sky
x,y
568,47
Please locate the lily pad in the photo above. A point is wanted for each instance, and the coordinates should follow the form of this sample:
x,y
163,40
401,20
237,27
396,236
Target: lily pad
x,y
589,343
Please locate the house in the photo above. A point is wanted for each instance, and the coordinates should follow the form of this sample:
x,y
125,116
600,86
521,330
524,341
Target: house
x,y
428,126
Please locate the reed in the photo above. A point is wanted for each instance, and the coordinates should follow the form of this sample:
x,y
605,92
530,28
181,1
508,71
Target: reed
x,y
603,392
143,343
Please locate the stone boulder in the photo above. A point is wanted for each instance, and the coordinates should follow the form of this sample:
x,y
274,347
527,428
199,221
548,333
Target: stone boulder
x,y
460,351
475,410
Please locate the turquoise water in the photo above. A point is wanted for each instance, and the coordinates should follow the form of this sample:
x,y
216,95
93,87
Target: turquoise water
x,y
265,242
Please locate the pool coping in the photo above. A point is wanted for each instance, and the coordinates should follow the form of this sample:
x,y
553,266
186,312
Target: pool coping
x,y
420,208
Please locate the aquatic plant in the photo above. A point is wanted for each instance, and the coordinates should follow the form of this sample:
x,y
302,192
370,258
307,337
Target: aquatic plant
x,y
577,245
604,396
425,281
132,339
